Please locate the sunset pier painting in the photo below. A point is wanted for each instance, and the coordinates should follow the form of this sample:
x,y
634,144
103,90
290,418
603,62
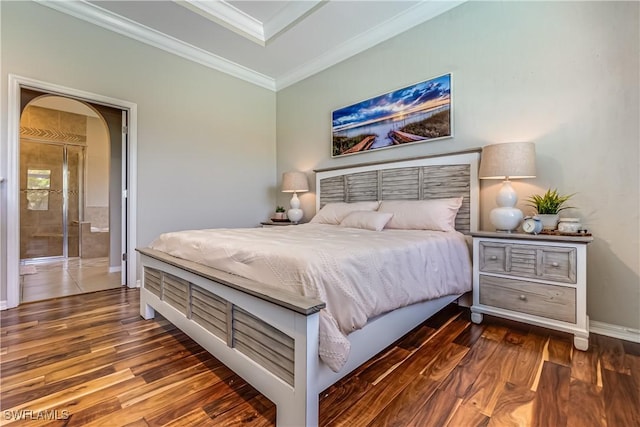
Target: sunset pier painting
x,y
417,113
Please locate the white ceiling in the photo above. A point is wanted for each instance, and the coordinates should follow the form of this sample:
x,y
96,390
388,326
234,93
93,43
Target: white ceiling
x,y
269,43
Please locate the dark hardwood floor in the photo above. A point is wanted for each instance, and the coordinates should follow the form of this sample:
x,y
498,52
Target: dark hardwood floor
x,y
91,360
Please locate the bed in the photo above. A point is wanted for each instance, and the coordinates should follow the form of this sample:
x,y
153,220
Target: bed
x,y
272,337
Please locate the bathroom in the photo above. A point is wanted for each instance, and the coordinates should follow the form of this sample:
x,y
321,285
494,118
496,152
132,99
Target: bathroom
x,y
65,234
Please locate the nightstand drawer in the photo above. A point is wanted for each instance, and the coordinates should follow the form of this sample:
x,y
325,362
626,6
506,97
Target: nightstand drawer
x,y
550,301
534,261
558,264
493,257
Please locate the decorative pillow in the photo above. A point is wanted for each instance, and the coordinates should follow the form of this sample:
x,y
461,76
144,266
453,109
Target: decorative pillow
x,y
333,213
369,220
433,214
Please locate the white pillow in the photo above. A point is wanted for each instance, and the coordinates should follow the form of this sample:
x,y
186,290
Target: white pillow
x,y
333,213
369,220
433,214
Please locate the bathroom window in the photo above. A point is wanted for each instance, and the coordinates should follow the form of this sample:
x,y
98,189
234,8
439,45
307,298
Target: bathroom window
x,y
38,186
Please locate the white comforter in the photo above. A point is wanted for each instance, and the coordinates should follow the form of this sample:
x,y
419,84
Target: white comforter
x,y
358,273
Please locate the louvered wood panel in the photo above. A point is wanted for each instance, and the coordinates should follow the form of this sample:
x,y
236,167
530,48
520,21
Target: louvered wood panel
x,y
153,281
411,183
400,184
209,311
175,292
266,345
332,190
362,187
523,260
444,181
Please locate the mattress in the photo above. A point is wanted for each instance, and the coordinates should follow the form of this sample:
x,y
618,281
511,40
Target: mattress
x,y
358,273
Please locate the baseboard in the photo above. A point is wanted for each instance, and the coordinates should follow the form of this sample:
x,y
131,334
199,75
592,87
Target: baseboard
x,y
115,269
4,305
614,331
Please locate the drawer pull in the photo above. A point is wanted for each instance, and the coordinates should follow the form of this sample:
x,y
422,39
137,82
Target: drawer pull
x,y
555,264
493,257
522,297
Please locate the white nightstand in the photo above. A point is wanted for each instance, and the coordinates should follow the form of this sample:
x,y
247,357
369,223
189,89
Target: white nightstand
x,y
536,279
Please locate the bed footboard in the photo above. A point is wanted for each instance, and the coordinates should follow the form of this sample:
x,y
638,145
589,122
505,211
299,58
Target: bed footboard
x,y
267,337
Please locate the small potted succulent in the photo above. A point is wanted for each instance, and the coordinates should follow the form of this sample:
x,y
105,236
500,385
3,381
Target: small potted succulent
x,y
280,213
548,207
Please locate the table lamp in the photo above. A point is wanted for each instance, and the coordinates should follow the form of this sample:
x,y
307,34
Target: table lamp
x,y
507,161
294,182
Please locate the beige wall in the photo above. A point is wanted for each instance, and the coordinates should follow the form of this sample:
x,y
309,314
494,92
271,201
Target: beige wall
x,y
561,74
206,140
97,155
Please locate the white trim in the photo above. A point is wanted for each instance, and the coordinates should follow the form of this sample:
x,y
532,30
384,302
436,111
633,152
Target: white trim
x,y
402,22
103,18
614,331
416,15
4,305
229,17
13,193
236,20
13,199
288,15
114,269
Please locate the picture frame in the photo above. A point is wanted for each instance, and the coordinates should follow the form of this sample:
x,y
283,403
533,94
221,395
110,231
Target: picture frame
x,y
417,113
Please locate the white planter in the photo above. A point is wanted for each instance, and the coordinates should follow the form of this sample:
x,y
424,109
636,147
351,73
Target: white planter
x,y
549,221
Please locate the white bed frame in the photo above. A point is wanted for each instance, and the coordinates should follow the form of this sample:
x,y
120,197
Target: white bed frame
x,y
271,338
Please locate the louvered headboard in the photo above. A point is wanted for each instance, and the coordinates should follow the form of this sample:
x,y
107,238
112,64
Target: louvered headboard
x,y
432,177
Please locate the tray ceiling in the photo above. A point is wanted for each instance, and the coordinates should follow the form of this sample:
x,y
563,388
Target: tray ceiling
x,y
269,43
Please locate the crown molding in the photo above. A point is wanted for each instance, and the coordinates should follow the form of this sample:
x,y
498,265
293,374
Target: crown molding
x,y
400,23
229,17
416,15
234,19
126,27
289,15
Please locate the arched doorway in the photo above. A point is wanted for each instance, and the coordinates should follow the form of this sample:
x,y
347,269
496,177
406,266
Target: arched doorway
x,y
122,122
64,199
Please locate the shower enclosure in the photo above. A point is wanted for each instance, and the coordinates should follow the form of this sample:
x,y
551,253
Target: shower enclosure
x,y
51,191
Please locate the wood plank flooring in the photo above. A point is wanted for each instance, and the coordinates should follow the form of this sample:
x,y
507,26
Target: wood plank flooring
x,y
91,360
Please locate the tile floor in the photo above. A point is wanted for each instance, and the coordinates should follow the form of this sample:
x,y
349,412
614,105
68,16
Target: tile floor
x,y
71,276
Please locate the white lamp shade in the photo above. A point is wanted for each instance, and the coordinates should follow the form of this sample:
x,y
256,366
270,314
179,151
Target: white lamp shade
x,y
293,182
507,161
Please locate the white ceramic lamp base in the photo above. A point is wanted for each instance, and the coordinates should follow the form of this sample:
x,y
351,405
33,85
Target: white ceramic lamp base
x,y
295,214
506,217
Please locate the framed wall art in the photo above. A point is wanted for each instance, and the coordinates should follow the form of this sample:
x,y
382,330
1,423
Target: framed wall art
x,y
416,113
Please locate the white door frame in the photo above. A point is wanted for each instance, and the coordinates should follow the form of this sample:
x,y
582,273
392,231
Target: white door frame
x,y
13,182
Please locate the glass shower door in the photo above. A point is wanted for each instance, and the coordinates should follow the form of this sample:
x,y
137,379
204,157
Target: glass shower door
x,y
51,179
75,179
41,200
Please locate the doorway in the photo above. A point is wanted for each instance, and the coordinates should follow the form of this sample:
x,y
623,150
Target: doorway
x,y
49,188
120,117
64,199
